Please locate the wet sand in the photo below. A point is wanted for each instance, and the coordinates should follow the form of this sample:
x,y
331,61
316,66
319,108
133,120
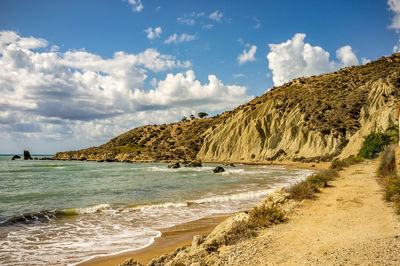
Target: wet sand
x,y
173,237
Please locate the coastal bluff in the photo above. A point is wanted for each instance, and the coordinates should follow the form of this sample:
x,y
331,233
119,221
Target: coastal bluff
x,y
319,118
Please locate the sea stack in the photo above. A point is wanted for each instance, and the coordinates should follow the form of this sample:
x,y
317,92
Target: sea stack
x,y
27,155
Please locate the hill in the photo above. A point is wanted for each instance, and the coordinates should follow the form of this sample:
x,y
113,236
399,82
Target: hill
x,y
308,119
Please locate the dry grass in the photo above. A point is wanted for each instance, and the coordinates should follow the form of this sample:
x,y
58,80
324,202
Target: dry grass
x,y
340,164
263,216
309,187
259,217
388,176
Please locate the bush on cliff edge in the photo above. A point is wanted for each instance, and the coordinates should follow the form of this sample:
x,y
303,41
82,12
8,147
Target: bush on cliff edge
x,y
374,144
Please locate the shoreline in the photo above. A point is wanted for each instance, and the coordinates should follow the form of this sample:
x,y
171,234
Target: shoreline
x,y
170,239
182,234
288,164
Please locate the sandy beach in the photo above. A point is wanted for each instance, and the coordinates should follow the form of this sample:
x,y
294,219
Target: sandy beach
x,y
173,237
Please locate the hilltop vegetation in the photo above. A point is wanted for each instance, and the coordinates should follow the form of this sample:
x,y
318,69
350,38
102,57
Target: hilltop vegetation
x,y
179,141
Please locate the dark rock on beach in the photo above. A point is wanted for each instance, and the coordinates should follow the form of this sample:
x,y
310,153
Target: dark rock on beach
x,y
174,165
27,155
16,157
218,169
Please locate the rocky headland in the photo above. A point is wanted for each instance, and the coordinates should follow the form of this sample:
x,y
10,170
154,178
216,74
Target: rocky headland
x,y
319,118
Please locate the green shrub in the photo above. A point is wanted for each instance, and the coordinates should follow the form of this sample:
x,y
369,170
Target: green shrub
x,y
318,180
393,132
374,144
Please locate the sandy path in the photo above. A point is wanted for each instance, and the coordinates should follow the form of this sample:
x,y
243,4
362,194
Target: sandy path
x,y
349,224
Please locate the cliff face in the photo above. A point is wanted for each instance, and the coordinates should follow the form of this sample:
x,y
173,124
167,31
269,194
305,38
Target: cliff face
x,y
265,132
309,119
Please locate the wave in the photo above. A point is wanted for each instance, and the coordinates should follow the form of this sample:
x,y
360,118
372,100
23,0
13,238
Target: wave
x,y
86,210
30,217
239,195
47,215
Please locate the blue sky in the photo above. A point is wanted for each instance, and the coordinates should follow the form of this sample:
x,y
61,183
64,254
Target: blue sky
x,y
76,73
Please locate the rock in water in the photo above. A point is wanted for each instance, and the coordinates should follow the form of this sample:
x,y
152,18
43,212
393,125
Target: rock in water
x,y
27,155
218,169
16,157
193,164
174,165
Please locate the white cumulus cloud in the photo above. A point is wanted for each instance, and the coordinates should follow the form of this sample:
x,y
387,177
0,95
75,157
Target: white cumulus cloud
x,y
365,61
175,38
137,5
346,56
394,6
294,58
396,47
247,56
153,33
77,94
216,15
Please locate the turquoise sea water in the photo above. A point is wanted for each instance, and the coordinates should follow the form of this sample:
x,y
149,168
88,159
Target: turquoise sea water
x,y
64,212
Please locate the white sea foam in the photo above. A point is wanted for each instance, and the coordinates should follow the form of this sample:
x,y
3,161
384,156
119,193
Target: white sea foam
x,y
101,230
181,169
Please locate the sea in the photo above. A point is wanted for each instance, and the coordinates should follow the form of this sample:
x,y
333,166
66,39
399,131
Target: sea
x,y
67,212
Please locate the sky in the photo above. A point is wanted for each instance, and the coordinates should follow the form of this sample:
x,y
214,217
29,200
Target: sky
x,y
74,74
